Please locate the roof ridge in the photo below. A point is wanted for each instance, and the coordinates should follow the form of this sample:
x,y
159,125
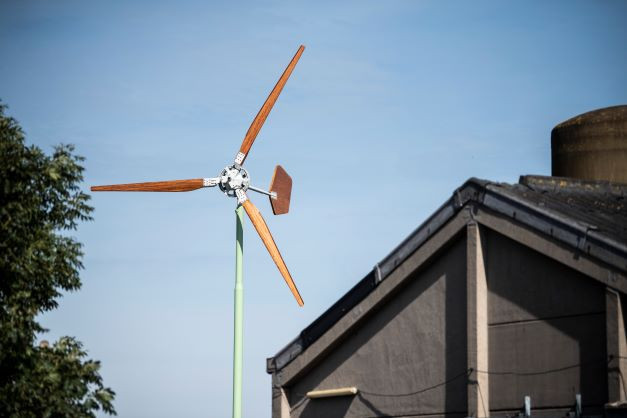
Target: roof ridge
x,y
568,184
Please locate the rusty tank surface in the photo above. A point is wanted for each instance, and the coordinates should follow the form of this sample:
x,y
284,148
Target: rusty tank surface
x,y
592,146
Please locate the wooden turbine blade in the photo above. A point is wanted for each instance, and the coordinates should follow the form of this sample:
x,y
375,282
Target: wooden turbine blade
x,y
263,231
281,184
259,120
153,186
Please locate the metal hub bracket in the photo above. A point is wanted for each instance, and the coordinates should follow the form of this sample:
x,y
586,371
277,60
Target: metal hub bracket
x,y
232,179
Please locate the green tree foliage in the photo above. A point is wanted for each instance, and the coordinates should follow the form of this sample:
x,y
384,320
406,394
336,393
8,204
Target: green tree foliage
x,y
40,202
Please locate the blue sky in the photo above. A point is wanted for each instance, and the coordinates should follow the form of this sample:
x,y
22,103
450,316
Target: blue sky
x,y
392,106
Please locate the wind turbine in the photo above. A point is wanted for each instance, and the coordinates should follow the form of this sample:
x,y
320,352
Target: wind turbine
x,y
234,181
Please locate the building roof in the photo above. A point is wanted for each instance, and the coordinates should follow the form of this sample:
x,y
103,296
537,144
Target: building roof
x,y
590,217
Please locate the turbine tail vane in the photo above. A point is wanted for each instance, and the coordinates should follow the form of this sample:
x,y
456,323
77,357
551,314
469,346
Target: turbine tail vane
x,y
280,191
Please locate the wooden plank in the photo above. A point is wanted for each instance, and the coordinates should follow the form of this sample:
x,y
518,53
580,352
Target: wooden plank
x,y
259,120
153,186
264,233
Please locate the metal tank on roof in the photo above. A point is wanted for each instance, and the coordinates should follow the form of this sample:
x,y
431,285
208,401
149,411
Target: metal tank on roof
x,y
592,146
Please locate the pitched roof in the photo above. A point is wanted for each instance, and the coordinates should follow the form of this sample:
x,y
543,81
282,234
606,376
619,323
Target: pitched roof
x,y
588,216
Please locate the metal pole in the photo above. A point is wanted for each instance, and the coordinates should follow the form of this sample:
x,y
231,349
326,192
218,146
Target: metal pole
x,y
238,337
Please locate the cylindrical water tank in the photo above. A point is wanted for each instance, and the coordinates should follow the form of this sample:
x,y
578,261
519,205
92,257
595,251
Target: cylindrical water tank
x,y
592,146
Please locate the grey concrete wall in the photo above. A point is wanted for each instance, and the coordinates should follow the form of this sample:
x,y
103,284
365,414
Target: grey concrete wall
x,y
542,316
415,341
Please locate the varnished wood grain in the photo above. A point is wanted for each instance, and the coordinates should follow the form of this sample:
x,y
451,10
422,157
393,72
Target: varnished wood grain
x,y
153,186
259,120
262,229
281,184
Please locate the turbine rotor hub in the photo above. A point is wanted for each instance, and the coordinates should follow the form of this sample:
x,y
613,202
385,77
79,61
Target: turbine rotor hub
x,y
233,178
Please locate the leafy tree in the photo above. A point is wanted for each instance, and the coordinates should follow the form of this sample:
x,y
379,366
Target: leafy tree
x,y
40,201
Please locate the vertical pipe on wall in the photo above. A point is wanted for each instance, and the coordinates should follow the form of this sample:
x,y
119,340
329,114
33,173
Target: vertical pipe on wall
x,y
238,335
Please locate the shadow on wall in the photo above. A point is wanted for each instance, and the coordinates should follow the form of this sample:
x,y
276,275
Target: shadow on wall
x,y
546,331
416,340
